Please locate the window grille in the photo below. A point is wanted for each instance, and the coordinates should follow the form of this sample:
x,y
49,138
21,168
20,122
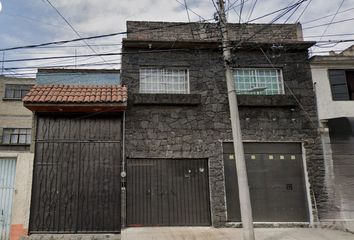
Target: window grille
x,y
258,81
170,80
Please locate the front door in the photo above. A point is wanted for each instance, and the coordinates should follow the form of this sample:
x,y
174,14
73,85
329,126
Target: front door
x,y
7,186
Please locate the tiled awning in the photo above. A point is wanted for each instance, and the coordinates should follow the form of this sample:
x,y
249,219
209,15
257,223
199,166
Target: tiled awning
x,y
76,98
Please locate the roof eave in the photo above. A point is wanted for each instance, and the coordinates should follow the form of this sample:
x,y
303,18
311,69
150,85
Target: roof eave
x,y
76,107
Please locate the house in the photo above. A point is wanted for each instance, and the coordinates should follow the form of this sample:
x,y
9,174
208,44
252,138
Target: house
x,y
15,156
333,77
179,159
78,134
165,157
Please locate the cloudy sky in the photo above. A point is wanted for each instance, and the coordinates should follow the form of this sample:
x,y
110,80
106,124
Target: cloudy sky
x,y
24,22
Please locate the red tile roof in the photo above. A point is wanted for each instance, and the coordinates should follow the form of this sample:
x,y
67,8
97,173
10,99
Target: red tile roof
x,y
76,94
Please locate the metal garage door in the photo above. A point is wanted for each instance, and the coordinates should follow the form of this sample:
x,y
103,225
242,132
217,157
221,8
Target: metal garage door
x,y
342,143
76,183
7,187
167,192
276,181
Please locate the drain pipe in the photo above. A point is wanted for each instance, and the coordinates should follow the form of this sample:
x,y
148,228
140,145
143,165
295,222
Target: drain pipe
x,y
123,178
123,173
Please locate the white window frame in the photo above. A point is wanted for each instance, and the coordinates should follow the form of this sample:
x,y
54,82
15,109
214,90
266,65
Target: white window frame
x,y
279,75
162,90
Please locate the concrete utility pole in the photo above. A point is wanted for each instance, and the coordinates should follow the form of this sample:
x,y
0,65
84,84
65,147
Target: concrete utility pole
x,y
244,193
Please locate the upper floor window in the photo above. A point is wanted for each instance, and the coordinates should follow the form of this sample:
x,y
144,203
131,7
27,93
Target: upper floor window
x,y
16,91
16,136
342,84
259,81
164,80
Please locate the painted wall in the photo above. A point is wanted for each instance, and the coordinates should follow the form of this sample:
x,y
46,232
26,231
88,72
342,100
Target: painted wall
x,y
78,78
14,115
327,108
22,193
339,165
12,112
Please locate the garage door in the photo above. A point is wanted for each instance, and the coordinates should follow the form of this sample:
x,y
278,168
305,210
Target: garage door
x,y
76,182
342,141
276,181
167,192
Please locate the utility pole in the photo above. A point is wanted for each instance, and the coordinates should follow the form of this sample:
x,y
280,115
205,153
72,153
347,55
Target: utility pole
x,y
244,193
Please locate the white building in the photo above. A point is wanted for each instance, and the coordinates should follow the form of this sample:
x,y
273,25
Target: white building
x,y
333,78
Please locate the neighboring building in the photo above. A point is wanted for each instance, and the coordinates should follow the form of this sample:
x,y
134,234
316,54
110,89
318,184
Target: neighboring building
x,y
15,157
77,151
179,155
333,77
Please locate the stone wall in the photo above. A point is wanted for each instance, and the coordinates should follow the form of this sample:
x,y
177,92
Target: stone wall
x,y
167,31
197,131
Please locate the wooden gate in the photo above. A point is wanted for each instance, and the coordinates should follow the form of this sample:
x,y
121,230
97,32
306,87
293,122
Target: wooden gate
x,y
7,187
167,192
76,182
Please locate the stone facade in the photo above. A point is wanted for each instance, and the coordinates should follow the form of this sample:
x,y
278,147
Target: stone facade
x,y
181,31
172,130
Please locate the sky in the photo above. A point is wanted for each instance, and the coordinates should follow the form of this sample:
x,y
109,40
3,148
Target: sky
x,y
25,22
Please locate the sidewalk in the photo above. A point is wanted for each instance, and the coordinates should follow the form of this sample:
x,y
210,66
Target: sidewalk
x,y
208,233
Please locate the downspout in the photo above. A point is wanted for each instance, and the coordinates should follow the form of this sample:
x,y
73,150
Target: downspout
x,y
123,146
123,178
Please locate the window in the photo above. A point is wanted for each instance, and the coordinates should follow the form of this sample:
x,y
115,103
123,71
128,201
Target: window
x,y
162,80
259,81
16,136
16,91
342,84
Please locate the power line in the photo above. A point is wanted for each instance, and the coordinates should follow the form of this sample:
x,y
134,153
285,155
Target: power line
x,y
81,46
241,9
251,11
185,4
32,20
96,37
71,26
291,92
303,11
64,66
288,9
90,55
340,5
326,24
274,12
187,8
296,8
64,41
317,19
331,35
